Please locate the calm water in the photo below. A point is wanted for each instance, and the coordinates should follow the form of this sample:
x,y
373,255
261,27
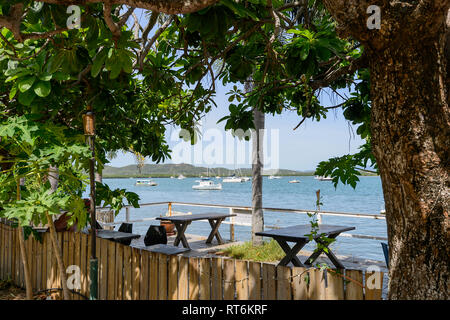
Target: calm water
x,y
277,193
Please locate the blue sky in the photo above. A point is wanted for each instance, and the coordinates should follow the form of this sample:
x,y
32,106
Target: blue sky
x,y
301,149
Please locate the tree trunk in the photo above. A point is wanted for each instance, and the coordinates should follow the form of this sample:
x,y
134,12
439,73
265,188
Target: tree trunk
x,y
24,256
257,166
53,178
410,136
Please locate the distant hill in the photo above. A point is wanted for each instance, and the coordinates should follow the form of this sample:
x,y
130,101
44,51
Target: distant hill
x,y
167,170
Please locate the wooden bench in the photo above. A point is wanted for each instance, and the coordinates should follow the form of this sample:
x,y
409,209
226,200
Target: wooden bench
x,y
163,248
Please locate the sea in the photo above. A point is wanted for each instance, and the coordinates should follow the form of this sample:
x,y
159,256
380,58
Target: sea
x,y
277,193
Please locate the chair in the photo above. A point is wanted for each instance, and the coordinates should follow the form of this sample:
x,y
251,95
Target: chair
x,y
127,228
386,252
155,235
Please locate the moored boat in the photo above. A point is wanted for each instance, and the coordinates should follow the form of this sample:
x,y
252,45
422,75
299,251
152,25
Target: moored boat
x,y
207,184
150,183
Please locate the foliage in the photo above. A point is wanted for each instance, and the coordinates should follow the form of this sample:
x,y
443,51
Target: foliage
x,y
115,198
31,148
268,251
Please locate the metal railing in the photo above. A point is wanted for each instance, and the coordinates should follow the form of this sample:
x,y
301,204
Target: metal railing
x,y
247,210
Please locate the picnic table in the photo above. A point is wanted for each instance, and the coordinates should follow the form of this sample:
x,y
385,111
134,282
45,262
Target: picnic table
x,y
116,235
181,223
300,235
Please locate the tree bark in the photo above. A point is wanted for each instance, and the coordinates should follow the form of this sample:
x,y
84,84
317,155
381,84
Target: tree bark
x,y
257,166
410,134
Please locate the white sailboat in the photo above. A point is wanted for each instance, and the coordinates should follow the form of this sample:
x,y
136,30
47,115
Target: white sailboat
x,y
323,178
274,177
150,183
207,184
232,179
294,181
181,177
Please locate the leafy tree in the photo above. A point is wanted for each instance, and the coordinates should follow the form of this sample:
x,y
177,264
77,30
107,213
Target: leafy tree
x,y
293,52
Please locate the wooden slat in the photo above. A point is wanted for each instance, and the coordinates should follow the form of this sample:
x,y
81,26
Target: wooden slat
x,y
183,280
162,279
127,269
316,290
284,291
118,284
9,244
2,250
254,280
44,262
173,278
241,279
335,285
111,267
16,259
353,289
30,253
269,285
194,278
77,260
136,274
39,263
299,283
205,277
153,277
84,264
71,244
228,279
216,279
57,284
103,280
373,285
145,266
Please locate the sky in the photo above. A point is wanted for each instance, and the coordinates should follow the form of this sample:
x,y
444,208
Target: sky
x,y
301,149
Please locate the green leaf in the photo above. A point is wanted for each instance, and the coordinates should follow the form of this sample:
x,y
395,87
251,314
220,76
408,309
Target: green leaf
x,y
304,51
26,83
13,92
42,88
27,97
99,61
45,76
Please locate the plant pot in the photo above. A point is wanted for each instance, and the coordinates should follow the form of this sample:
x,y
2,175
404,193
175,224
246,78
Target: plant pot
x,y
169,226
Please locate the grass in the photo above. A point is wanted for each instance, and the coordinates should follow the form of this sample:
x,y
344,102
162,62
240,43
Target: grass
x,y
269,251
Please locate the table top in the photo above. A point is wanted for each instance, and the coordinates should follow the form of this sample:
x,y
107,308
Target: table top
x,y
198,216
162,248
295,233
116,235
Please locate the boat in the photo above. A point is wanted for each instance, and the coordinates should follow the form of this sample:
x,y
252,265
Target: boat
x,y
322,178
172,177
207,184
181,177
294,181
218,177
232,179
245,179
274,177
145,183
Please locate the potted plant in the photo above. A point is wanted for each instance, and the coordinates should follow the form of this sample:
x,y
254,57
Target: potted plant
x,y
169,226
